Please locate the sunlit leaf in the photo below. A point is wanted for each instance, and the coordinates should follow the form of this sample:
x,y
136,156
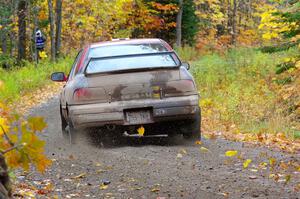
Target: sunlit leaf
x,y
231,153
103,187
37,123
198,142
203,149
141,131
246,163
272,162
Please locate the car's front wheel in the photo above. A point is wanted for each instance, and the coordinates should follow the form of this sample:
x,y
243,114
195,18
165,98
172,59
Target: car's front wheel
x,y
191,130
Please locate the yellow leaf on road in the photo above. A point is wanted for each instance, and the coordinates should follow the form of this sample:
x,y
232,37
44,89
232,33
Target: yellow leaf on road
x,y
103,187
82,175
246,163
272,162
203,149
231,153
182,151
155,190
198,142
141,131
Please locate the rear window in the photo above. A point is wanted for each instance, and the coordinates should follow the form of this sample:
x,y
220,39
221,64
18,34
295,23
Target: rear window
x,y
130,62
128,49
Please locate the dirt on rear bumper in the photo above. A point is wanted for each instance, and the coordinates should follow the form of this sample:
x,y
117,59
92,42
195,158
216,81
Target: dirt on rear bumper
x,y
168,109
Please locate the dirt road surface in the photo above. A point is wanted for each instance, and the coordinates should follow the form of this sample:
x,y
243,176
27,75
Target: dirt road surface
x,y
159,168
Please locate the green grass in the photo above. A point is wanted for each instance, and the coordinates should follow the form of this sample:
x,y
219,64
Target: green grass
x,y
238,92
21,80
187,53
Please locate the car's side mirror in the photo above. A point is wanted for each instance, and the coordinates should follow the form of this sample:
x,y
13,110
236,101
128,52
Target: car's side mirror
x,y
186,65
59,77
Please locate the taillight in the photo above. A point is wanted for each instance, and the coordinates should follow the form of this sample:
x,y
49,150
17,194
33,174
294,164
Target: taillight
x,y
81,94
189,84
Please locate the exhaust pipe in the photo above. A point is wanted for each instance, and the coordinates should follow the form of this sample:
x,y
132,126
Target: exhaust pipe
x,y
111,127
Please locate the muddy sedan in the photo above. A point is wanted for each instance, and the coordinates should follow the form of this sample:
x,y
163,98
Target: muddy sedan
x,y
118,87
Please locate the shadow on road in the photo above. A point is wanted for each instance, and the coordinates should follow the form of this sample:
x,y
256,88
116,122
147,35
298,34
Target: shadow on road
x,y
108,141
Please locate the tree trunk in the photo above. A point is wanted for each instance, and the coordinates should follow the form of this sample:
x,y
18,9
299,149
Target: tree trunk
x,y
5,184
22,29
52,33
179,24
58,27
35,24
234,15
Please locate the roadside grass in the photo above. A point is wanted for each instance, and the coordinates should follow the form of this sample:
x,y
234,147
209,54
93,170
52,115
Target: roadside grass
x,y
187,53
21,80
239,95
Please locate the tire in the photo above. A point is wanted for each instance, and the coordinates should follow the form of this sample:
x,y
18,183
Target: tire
x,y
192,130
114,137
64,125
72,132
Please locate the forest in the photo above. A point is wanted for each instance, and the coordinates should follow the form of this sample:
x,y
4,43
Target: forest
x,y
244,56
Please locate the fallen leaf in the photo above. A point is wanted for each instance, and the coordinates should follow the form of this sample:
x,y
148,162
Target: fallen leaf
x,y
231,153
287,178
198,142
183,151
252,177
103,187
82,175
179,155
246,163
272,162
155,190
203,149
98,164
297,187
141,131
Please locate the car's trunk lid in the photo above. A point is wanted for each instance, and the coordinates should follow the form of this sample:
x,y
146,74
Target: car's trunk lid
x,y
132,85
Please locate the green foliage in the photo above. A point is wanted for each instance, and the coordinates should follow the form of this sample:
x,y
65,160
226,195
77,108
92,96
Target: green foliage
x,y
187,53
190,22
237,91
7,61
30,77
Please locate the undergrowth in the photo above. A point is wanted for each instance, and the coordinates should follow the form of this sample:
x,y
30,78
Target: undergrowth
x,y
20,80
239,94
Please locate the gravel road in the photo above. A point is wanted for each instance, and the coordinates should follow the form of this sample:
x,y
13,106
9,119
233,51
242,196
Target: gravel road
x,y
159,168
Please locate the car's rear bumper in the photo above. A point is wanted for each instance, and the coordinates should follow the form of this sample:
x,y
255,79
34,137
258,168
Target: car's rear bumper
x,y
168,109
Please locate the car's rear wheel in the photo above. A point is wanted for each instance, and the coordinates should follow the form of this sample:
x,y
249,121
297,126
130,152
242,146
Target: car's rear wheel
x,y
71,133
64,125
191,130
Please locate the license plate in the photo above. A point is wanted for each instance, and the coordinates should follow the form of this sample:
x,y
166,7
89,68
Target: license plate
x,y
138,117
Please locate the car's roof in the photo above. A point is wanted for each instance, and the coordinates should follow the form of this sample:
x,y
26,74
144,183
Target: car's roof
x,y
130,41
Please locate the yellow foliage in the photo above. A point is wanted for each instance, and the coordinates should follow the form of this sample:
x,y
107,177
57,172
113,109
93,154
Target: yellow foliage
x,y
272,26
42,54
4,128
21,146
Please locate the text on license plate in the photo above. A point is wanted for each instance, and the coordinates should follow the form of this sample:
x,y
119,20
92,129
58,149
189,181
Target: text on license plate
x,y
138,117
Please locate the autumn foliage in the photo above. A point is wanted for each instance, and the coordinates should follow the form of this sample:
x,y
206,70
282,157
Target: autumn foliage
x,y
20,145
19,141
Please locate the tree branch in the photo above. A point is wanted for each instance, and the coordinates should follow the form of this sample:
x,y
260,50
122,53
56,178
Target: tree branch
x,y
6,136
